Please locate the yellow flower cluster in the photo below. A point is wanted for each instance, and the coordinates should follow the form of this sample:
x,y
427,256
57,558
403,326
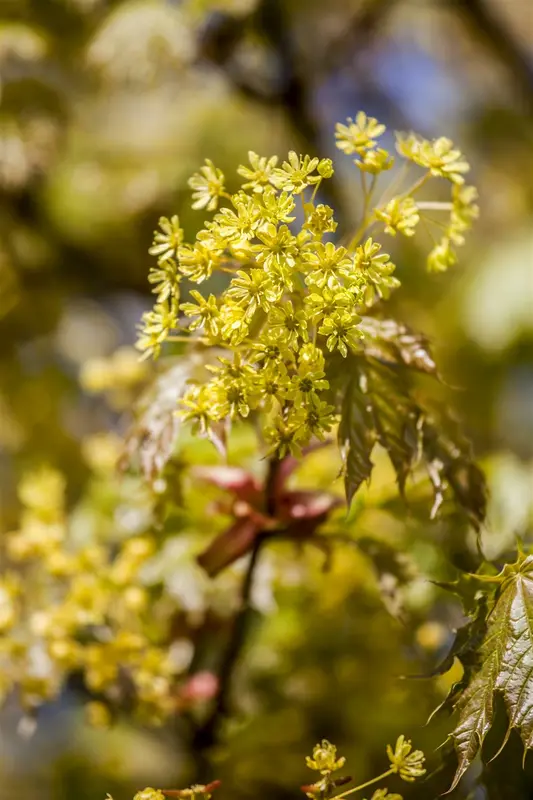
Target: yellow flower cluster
x,y
406,763
293,296
74,606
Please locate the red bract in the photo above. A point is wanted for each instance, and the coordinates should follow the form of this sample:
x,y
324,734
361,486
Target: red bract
x,y
296,514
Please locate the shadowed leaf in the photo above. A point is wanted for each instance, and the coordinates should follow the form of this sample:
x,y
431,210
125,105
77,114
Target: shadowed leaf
x,y
506,666
357,437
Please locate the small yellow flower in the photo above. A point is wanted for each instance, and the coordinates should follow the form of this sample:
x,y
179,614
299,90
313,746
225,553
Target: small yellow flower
x,y
400,215
359,135
149,794
207,185
324,758
320,220
259,174
383,794
408,763
168,239
375,161
441,257
440,156
296,174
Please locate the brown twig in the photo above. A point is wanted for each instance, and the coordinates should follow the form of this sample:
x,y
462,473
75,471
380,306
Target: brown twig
x,y
208,733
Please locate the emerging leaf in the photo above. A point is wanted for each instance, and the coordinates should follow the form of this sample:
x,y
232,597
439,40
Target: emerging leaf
x,y
394,343
152,438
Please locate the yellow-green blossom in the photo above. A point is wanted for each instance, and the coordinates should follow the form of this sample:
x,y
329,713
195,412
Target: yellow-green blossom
x,y
155,327
166,279
285,437
359,135
324,758
320,220
205,313
296,174
439,156
327,263
441,257
375,161
168,239
240,225
253,290
198,261
341,332
375,265
400,215
207,185
258,175
408,763
289,324
149,794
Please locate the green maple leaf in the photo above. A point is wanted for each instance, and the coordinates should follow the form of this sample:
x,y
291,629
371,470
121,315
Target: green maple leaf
x,y
506,666
356,437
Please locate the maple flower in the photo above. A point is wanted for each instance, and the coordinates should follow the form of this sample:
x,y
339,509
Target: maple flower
x,y
320,220
149,794
375,161
278,247
155,327
296,174
440,156
307,384
291,325
369,260
168,239
276,206
205,313
198,261
400,215
324,758
359,135
341,331
319,418
254,289
240,225
258,175
285,437
167,280
327,263
208,186
408,763
273,384
272,347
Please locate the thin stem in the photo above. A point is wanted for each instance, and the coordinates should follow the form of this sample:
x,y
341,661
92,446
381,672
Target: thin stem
x,y
175,338
364,785
395,184
434,205
367,218
302,200
315,190
416,186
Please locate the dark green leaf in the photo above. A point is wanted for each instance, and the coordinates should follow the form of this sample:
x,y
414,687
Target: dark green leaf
x,y
506,666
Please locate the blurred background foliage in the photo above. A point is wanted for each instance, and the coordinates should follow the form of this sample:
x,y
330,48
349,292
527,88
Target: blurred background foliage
x,y
106,108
